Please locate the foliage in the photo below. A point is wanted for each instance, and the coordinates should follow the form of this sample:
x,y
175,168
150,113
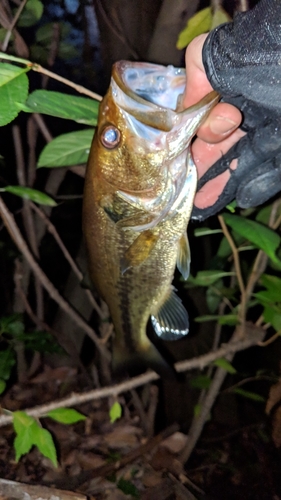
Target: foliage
x,y
230,304
12,331
115,412
29,432
203,21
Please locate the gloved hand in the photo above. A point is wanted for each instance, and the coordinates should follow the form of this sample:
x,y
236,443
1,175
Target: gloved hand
x,y
242,62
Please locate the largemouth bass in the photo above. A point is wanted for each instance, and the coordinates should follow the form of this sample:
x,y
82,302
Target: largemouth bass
x,y
139,189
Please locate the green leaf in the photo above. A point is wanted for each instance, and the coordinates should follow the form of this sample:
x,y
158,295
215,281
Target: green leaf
x,y
220,16
31,13
66,415
207,278
24,426
30,194
268,296
30,433
226,319
206,317
22,421
226,365
115,412
128,488
272,283
7,361
67,149
261,236
22,444
200,382
231,206
45,443
224,250
197,410
200,23
205,231
70,107
249,395
273,317
13,91
67,51
214,295
2,385
45,33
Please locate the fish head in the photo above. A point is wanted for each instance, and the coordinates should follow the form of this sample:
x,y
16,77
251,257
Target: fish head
x,y
141,128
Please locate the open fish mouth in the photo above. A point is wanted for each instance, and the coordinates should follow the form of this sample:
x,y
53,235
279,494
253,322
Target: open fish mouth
x,y
159,85
151,94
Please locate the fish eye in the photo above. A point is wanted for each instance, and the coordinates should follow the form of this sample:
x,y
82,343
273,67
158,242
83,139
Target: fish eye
x,y
110,137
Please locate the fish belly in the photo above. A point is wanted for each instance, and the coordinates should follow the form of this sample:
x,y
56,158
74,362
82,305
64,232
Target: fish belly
x,y
139,292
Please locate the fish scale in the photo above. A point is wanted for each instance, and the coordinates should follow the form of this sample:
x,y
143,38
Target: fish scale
x,y
139,189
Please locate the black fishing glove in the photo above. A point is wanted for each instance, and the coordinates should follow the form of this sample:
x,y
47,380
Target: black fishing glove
x,y
242,60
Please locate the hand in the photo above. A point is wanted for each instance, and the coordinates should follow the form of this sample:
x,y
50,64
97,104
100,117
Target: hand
x,y
218,133
241,61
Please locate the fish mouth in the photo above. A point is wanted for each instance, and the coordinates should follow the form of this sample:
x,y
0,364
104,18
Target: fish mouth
x,y
146,82
151,94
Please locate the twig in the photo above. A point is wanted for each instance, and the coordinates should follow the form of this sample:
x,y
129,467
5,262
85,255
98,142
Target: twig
x,y
114,390
108,469
27,215
116,30
270,340
42,127
52,230
212,393
237,267
12,25
68,345
16,236
39,69
52,52
242,5
249,379
199,422
140,409
151,412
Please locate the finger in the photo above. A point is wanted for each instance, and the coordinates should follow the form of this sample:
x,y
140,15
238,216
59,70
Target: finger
x,y
221,122
206,154
197,84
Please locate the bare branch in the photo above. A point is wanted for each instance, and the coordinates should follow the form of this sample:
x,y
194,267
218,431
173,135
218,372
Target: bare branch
x,y
16,236
39,69
253,338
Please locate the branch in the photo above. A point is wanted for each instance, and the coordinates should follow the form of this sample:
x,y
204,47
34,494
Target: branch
x,y
237,266
12,25
16,236
52,230
253,338
39,69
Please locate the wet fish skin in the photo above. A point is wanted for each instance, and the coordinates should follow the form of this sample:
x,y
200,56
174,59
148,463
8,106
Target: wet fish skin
x,y
137,202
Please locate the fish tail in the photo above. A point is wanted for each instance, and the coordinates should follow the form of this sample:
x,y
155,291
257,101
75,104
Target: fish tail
x,y
124,360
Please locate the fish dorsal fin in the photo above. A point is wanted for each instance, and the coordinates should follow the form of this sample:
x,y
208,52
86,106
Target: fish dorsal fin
x,y
139,250
183,258
171,321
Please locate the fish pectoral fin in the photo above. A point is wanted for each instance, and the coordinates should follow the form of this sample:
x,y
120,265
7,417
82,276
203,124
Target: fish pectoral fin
x,y
171,321
139,250
183,258
137,222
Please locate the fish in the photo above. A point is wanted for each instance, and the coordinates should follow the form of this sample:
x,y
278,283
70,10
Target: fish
x,y
139,188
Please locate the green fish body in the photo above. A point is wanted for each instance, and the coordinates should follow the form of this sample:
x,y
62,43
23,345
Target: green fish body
x,y
139,190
